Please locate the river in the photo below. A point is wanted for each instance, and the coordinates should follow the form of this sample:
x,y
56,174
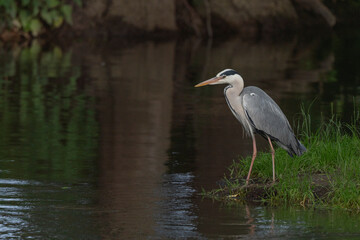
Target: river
x,y
106,139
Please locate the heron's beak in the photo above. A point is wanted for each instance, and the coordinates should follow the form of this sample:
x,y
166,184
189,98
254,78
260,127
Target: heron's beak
x,y
210,81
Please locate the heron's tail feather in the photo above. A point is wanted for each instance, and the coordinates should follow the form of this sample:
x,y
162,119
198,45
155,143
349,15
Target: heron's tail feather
x,y
296,149
302,149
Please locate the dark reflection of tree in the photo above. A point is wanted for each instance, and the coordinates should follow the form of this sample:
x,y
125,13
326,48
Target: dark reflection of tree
x,y
347,71
182,148
182,140
333,60
47,122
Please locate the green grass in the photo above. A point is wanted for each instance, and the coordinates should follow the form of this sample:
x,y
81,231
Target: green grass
x,y
328,174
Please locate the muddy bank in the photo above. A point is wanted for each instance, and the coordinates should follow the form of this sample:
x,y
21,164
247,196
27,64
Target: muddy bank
x,y
258,191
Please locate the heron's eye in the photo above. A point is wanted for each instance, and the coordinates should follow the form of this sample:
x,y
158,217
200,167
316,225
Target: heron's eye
x,y
223,76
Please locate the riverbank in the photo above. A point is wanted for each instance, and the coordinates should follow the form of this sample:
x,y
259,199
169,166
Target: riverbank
x,y
25,20
328,174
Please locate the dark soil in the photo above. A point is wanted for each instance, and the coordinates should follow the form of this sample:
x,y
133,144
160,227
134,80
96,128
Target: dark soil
x,y
258,190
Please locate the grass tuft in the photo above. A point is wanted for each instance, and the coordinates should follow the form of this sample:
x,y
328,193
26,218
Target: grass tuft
x,y
328,174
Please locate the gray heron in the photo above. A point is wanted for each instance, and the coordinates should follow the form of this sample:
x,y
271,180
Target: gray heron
x,y
258,113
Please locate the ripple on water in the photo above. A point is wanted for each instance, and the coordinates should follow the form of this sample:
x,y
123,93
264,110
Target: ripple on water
x,y
33,208
175,216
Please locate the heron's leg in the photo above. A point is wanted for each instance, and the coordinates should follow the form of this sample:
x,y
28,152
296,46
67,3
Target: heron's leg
x,y
273,157
252,160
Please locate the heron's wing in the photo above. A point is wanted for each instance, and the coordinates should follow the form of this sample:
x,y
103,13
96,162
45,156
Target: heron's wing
x,y
266,116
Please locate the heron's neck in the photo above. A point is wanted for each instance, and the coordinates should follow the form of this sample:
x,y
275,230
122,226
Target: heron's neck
x,y
232,92
235,88
232,95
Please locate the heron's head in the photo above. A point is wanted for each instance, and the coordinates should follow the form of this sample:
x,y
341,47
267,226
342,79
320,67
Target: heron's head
x,y
227,76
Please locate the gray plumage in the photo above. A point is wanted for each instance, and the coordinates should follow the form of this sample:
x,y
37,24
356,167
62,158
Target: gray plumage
x,y
267,119
258,113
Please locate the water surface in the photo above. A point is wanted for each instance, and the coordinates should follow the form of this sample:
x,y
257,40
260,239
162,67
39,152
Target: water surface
x,y
111,141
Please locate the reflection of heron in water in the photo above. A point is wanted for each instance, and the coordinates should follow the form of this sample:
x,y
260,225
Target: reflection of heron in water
x,y
252,224
258,113
250,221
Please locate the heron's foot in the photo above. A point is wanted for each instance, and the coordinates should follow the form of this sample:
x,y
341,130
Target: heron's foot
x,y
248,183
